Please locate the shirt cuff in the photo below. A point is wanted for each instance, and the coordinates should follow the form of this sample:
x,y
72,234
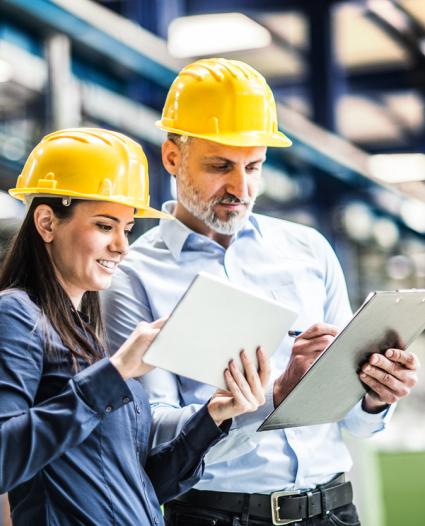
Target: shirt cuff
x,y
102,387
360,423
202,432
383,416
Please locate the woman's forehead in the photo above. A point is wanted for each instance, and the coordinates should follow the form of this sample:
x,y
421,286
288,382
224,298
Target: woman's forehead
x,y
98,208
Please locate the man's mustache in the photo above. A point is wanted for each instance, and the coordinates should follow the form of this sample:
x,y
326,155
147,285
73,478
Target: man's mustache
x,y
232,199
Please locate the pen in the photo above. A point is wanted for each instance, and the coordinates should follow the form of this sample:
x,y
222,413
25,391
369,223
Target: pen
x,y
294,334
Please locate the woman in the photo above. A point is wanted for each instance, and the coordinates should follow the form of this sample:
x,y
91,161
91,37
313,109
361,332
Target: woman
x,y
74,425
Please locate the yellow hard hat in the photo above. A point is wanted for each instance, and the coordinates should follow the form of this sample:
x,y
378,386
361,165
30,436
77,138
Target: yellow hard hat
x,y
224,101
88,163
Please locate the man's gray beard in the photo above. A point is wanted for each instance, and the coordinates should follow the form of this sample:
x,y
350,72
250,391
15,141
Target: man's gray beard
x,y
190,199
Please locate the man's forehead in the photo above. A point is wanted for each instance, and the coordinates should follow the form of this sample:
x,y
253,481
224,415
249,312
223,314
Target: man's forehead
x,y
213,151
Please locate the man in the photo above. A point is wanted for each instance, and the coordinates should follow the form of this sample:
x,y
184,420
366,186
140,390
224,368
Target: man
x,y
221,116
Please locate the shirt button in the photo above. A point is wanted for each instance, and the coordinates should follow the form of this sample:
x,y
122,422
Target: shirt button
x,y
138,409
156,520
108,409
125,400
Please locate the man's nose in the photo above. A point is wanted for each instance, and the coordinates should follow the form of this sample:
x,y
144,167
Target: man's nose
x,y
237,183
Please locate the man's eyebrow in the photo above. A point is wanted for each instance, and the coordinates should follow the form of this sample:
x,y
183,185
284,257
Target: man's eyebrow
x,y
224,159
256,161
218,158
113,218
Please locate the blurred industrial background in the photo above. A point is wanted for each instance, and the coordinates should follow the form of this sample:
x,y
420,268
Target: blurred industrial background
x,y
349,80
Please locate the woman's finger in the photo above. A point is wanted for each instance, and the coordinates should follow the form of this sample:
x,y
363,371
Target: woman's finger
x,y
238,398
241,382
252,377
159,323
264,369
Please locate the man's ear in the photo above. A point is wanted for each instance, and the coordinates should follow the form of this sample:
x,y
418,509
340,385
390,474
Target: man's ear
x,y
171,157
45,221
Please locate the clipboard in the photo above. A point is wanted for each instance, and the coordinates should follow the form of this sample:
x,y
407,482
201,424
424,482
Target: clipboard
x,y
212,323
331,387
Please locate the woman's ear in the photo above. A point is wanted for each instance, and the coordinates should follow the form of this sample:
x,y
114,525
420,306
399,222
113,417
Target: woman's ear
x,y
45,221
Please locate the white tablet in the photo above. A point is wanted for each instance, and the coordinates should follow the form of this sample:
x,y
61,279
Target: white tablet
x,y
211,324
331,387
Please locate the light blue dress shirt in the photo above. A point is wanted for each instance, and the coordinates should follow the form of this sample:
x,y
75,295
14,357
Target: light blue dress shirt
x,y
291,263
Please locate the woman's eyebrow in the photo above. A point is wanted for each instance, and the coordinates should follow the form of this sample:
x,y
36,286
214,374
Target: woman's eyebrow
x,y
113,218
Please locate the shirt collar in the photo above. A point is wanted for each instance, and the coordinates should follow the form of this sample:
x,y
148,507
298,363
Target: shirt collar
x,y
175,233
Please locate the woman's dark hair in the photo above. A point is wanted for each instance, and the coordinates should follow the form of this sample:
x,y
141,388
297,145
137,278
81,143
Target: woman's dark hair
x,y
27,266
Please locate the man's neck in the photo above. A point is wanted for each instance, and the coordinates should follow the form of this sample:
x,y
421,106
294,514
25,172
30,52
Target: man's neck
x,y
195,224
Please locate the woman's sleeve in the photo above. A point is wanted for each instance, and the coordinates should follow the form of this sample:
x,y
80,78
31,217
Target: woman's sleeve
x,y
31,435
175,466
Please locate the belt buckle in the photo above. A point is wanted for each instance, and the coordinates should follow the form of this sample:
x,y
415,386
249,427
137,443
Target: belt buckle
x,y
274,497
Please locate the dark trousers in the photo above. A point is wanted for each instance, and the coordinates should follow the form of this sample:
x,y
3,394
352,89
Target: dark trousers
x,y
179,514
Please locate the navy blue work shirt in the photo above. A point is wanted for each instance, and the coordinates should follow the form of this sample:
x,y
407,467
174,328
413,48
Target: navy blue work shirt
x,y
75,449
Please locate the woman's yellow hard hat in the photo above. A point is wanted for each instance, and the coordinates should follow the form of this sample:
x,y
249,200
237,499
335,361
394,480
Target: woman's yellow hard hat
x,y
88,163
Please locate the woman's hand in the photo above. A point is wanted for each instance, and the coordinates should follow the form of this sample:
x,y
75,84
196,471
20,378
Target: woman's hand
x,y
129,357
245,393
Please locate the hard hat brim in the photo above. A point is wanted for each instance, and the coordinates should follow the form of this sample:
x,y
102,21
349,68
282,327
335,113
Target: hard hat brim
x,y
142,211
152,213
249,139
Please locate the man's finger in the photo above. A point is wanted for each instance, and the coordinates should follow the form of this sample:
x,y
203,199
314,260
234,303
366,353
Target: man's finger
x,y
319,329
406,358
398,387
384,394
317,344
394,369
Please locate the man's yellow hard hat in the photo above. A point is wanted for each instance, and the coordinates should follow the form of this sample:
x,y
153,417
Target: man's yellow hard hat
x,y
88,163
224,101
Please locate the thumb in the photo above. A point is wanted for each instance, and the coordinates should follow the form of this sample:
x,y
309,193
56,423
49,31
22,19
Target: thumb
x,y
159,323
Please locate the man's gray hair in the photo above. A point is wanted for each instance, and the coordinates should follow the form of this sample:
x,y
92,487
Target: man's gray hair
x,y
180,140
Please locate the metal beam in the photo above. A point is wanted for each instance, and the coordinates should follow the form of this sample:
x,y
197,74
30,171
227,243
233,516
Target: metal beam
x,y
385,80
324,78
197,7
98,29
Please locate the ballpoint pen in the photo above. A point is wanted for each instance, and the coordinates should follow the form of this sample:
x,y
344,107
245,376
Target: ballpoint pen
x,y
294,334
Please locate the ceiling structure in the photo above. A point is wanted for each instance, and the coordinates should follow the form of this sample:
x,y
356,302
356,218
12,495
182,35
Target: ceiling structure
x,y
348,76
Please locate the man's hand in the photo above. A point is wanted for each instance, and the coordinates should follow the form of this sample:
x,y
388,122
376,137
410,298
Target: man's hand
x,y
390,377
308,346
245,392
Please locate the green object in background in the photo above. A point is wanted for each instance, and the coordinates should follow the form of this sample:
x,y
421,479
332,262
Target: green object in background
x,y
403,485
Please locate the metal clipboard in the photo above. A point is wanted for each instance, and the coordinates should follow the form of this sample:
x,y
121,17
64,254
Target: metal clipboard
x,y
331,387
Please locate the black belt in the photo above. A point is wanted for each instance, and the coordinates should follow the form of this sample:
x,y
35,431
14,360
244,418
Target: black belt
x,y
280,507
